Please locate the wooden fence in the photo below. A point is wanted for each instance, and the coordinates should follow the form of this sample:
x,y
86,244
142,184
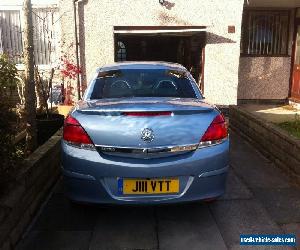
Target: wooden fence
x,y
46,34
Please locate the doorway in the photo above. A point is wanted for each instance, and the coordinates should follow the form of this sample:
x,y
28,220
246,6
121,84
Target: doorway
x,y
184,48
295,86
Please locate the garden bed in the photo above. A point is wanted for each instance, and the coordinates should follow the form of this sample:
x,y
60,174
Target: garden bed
x,y
292,127
274,142
18,207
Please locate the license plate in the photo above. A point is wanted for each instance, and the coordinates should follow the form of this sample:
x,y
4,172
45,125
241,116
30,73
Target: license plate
x,y
148,186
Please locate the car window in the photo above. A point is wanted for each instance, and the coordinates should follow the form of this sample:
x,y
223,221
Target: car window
x,y
142,83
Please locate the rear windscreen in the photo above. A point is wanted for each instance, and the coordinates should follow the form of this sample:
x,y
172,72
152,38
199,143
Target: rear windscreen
x,y
142,83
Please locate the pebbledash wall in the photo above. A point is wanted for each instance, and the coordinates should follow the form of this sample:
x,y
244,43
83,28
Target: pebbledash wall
x,y
265,78
222,52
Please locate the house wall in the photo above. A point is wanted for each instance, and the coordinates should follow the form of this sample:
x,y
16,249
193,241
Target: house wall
x,y
264,78
98,18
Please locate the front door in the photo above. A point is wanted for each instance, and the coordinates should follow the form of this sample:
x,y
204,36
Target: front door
x,y
295,89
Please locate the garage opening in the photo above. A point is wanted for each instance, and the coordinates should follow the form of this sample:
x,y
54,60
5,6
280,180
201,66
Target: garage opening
x,y
184,45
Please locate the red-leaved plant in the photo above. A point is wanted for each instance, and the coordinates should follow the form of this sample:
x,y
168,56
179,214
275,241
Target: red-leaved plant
x,y
69,71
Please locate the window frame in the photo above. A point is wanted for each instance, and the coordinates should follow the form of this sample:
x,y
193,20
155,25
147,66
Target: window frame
x,y
245,31
36,7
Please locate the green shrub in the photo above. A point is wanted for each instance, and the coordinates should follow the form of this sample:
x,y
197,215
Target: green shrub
x,y
10,155
8,75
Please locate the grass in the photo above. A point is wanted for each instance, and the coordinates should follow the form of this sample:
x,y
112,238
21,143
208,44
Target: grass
x,y
292,127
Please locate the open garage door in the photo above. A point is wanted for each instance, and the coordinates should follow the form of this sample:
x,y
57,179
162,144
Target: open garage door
x,y
184,45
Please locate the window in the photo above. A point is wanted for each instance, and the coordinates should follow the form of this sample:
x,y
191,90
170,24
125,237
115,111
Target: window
x,y
46,34
121,52
11,34
265,32
142,83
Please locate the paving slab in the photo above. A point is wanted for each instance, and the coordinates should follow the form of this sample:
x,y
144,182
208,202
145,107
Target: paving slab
x,y
188,227
235,188
125,228
293,228
258,195
237,217
238,247
283,204
59,188
56,240
253,168
61,215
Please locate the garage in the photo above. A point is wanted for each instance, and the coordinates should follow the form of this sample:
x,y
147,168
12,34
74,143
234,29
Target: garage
x,y
184,45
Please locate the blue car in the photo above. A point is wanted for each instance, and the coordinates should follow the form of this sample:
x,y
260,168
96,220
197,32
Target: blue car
x,y
143,134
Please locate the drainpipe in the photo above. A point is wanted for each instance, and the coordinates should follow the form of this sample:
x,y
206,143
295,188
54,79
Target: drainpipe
x,y
76,46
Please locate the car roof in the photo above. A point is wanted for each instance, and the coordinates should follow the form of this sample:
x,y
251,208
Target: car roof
x,y
141,65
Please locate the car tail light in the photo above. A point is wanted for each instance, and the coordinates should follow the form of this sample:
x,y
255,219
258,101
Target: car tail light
x,y
216,132
75,135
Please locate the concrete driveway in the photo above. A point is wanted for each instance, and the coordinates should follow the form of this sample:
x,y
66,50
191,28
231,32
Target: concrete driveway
x,y
259,199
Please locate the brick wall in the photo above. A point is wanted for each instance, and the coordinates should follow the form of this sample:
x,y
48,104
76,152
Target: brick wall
x,y
274,143
17,209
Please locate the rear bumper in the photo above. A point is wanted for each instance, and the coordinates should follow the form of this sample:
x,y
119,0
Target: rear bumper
x,y
91,177
92,191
